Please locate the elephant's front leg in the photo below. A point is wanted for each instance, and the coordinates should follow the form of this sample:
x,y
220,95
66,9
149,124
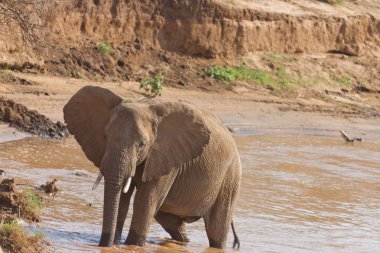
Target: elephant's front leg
x,y
148,200
125,199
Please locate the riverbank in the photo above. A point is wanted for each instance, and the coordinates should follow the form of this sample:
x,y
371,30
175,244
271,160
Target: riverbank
x,y
249,112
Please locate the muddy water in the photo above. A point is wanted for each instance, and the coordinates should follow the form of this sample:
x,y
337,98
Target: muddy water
x,y
298,194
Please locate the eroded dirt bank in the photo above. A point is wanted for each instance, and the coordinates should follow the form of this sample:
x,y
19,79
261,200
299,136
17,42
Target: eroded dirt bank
x,y
197,28
210,28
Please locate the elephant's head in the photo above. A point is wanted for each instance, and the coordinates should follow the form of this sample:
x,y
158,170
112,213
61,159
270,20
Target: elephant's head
x,y
118,136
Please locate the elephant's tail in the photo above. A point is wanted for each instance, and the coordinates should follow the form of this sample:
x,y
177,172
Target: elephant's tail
x,y
236,238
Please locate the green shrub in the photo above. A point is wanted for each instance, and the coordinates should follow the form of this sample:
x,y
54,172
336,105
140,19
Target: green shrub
x,y
153,85
345,80
275,80
104,48
7,76
34,200
334,2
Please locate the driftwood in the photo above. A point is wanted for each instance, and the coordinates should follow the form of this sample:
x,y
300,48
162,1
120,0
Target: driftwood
x,y
348,139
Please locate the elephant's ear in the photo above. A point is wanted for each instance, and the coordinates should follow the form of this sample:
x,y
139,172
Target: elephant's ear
x,y
181,136
87,114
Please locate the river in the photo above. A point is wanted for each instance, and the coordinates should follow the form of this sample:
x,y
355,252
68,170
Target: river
x,y
299,193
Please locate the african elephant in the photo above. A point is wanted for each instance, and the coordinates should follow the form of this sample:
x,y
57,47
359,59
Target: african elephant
x,y
182,162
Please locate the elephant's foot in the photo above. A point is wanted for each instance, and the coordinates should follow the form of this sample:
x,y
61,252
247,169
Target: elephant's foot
x,y
118,232
178,236
216,244
135,239
174,225
106,240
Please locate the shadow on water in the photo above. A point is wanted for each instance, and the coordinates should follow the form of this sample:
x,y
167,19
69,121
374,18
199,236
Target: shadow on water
x,y
298,194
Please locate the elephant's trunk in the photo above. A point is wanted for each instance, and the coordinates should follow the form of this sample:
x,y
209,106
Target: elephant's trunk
x,y
112,189
117,169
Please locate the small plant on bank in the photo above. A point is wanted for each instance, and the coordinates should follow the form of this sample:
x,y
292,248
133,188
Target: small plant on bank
x,y
5,66
34,203
345,80
276,58
104,48
7,76
334,2
154,84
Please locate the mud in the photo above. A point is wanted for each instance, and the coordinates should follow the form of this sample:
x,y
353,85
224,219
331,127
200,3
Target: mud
x,y
23,119
15,204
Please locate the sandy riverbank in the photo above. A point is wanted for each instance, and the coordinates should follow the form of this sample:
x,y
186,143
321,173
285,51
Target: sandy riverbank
x,y
247,113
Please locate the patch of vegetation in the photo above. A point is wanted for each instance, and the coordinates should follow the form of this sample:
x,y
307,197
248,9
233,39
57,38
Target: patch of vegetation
x,y
339,81
345,80
345,105
33,203
334,2
13,238
104,48
154,84
278,80
276,58
5,66
10,78
6,76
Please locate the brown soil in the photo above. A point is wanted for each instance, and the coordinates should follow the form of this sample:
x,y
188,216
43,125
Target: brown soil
x,y
20,117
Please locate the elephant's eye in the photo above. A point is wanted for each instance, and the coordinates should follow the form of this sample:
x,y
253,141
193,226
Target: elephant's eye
x,y
142,144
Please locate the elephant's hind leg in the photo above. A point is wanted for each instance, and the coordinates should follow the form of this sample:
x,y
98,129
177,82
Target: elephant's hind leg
x,y
172,224
219,216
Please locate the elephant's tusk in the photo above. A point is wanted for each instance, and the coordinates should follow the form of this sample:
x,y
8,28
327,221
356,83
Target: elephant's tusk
x,y
97,181
127,184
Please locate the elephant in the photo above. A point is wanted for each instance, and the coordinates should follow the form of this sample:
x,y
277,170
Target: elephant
x,y
181,162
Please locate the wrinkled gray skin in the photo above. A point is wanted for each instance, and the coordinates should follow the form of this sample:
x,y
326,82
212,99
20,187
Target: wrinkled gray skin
x,y
183,162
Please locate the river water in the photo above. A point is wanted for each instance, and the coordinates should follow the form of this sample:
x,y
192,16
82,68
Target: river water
x,y
299,193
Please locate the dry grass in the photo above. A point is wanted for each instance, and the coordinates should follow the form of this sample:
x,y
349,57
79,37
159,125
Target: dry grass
x,y
14,238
